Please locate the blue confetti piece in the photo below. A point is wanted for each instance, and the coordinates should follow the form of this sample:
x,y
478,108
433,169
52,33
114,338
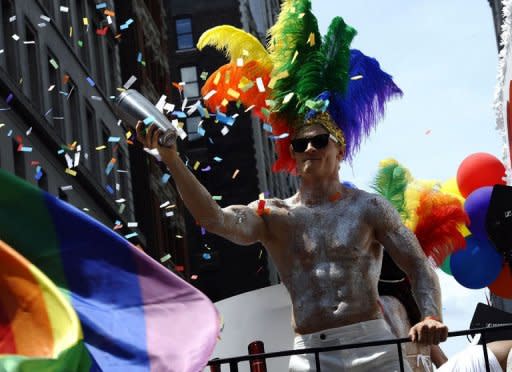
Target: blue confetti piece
x,y
165,178
9,133
211,141
9,98
207,256
109,168
123,27
26,149
109,189
149,120
180,114
90,81
203,231
132,235
223,118
101,5
60,152
139,57
129,21
114,139
217,159
276,138
201,131
267,127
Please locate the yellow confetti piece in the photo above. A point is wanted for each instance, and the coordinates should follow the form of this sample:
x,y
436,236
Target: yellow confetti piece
x,y
102,147
240,62
71,172
288,97
235,174
196,165
261,196
85,20
233,93
296,54
245,84
281,75
311,39
216,79
2,125
224,102
128,134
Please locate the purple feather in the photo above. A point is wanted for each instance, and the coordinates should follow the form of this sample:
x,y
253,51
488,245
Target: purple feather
x,y
358,111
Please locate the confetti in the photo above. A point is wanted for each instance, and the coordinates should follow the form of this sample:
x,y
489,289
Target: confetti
x,y
169,214
207,169
129,82
149,120
235,174
224,131
209,94
132,235
114,139
193,277
102,147
66,188
161,103
259,84
45,18
165,178
356,77
217,197
101,5
281,136
196,165
217,159
288,97
71,172
64,9
12,19
90,81
54,64
428,132
267,127
233,93
165,204
133,224
26,149
165,258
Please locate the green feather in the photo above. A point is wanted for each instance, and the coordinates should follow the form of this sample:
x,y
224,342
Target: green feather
x,y
292,51
336,48
391,182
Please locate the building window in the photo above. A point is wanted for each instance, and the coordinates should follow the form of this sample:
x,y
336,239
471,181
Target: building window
x,y
19,160
107,158
48,4
81,33
184,33
75,122
11,46
56,116
193,127
189,77
92,140
65,23
33,65
97,47
123,176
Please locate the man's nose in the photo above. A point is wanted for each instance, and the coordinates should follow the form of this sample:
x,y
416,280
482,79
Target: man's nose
x,y
310,147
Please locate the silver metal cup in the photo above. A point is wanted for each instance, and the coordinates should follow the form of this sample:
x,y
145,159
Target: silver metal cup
x,y
131,107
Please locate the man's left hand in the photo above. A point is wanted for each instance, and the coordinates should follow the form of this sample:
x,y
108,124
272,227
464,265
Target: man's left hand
x,y
429,332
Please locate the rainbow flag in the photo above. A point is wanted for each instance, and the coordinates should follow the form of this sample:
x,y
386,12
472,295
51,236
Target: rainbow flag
x,y
134,314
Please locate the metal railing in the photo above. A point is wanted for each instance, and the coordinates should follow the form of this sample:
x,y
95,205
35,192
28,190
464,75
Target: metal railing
x,y
233,362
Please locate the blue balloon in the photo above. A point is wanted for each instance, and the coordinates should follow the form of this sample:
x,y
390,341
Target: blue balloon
x,y
476,206
478,265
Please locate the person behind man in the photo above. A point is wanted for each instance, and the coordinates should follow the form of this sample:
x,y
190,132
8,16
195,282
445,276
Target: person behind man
x,y
326,240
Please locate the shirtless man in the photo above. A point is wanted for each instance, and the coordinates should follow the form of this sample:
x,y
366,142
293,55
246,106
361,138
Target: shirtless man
x,y
327,243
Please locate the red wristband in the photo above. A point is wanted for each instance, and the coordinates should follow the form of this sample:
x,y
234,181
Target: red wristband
x,y
431,317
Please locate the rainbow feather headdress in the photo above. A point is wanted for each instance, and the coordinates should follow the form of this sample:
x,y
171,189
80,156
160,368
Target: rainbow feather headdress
x,y
300,79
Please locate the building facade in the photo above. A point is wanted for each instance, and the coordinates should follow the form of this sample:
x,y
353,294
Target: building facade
x,y
497,16
143,50
232,161
57,129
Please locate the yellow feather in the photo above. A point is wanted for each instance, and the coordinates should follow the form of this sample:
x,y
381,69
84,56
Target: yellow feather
x,y
412,198
235,43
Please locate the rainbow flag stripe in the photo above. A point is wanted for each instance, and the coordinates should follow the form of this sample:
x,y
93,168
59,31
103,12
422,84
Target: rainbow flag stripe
x,y
135,314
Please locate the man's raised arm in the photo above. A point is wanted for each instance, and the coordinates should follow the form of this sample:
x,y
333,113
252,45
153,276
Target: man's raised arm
x,y
404,249
240,224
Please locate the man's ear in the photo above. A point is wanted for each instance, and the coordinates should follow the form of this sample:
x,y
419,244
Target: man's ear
x,y
292,153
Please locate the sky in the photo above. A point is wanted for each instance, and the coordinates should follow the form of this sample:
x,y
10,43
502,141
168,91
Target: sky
x,y
443,55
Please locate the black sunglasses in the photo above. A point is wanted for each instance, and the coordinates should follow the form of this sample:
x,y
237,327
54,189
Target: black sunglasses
x,y
319,142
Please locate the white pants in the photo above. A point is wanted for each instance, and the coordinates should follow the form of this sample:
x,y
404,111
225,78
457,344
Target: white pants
x,y
471,359
376,358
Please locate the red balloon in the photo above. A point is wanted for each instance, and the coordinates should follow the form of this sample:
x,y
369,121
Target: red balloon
x,y
502,286
479,170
